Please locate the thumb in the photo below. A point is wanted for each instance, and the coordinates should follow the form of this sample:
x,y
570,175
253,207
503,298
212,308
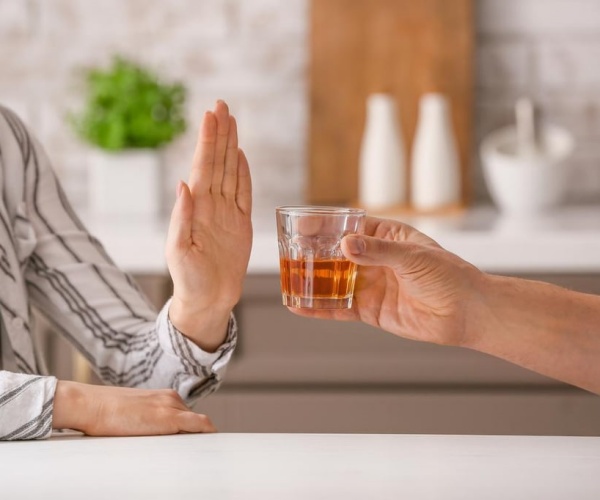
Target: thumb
x,y
189,421
369,251
180,226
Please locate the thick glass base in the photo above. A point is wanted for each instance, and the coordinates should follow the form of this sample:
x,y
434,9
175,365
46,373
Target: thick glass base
x,y
316,303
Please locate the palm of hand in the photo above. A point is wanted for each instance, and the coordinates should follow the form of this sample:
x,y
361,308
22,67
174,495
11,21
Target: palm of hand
x,y
211,231
215,264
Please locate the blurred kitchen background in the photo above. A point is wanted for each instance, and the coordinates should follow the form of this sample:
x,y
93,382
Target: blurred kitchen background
x,y
291,374
255,54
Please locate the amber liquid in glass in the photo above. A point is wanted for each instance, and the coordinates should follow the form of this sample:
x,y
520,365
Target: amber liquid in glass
x,y
318,279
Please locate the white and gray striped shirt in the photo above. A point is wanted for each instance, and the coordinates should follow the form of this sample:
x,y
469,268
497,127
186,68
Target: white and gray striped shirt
x,y
49,261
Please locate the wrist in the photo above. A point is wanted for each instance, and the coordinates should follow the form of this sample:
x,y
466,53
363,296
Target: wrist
x,y
206,327
71,406
512,311
481,309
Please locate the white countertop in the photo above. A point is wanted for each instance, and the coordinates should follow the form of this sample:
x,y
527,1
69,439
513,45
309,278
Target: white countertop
x,y
302,466
562,242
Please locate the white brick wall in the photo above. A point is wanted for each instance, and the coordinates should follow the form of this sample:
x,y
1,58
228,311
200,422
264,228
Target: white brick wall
x,y
254,54
538,18
14,19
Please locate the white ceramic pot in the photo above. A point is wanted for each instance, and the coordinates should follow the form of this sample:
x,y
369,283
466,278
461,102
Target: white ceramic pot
x,y
526,184
125,183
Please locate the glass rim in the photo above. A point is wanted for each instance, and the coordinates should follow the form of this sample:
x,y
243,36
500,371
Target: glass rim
x,y
319,210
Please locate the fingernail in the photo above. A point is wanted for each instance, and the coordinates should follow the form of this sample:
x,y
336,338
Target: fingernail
x,y
179,188
355,245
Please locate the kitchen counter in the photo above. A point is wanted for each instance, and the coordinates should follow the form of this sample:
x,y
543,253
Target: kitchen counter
x,y
567,241
302,466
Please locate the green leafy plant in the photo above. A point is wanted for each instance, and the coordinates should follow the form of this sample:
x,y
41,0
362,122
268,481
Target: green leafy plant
x,y
127,106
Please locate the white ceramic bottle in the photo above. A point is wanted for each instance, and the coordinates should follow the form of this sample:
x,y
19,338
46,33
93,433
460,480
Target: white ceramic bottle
x,y
382,163
435,168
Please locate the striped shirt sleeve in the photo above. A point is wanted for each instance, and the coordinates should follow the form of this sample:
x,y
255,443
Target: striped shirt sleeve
x,y
25,406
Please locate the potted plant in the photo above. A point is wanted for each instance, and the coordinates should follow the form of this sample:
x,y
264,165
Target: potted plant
x,y
128,116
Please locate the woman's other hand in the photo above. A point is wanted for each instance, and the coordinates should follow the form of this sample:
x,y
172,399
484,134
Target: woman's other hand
x,y
118,411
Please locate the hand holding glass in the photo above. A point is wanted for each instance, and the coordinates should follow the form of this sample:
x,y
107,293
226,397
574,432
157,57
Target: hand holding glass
x,y
314,272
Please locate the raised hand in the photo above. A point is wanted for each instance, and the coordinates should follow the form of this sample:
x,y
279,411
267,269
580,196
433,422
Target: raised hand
x,y
406,284
210,234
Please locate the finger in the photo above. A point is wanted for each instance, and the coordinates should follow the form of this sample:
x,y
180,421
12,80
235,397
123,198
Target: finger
x,y
222,116
396,230
202,165
243,194
369,251
180,226
230,174
372,225
188,421
338,315
311,225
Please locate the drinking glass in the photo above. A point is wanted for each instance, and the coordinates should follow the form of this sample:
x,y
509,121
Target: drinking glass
x,y
314,272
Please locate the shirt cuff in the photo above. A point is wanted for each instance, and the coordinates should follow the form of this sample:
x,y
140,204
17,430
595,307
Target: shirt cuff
x,y
27,406
192,356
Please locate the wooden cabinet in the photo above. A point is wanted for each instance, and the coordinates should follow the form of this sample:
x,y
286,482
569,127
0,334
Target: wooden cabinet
x,y
404,48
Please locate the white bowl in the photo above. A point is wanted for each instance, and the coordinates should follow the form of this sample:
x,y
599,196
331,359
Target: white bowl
x,y
526,185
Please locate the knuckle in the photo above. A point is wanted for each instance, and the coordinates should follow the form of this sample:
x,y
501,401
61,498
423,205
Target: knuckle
x,y
173,394
170,395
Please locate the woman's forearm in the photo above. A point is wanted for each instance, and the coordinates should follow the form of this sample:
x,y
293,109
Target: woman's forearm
x,y
542,327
